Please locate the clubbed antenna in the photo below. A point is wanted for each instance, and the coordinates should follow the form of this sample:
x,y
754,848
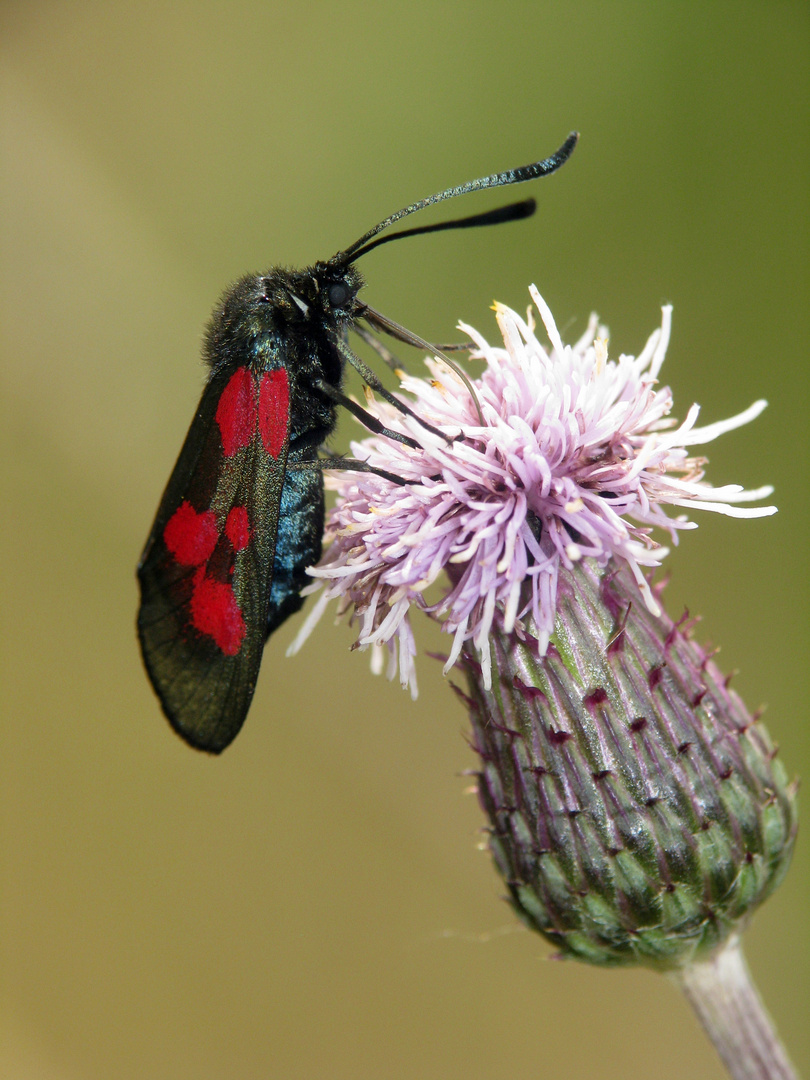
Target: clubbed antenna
x,y
502,179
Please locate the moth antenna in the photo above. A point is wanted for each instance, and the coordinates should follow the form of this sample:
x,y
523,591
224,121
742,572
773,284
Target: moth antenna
x,y
515,211
501,179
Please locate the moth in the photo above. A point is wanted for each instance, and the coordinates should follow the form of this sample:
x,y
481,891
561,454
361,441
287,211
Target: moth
x,y
242,515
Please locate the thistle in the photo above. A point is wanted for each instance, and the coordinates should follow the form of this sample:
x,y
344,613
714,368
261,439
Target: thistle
x,y
636,810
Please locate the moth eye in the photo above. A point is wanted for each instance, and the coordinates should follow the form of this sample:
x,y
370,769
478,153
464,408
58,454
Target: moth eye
x,y
338,294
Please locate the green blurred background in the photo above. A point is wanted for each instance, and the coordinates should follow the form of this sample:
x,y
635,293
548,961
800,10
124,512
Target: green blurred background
x,y
314,903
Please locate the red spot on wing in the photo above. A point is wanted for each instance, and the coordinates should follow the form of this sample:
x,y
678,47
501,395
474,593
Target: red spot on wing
x,y
236,411
191,537
215,612
274,410
237,527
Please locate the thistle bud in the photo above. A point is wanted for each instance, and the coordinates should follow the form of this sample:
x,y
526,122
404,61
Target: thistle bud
x,y
637,811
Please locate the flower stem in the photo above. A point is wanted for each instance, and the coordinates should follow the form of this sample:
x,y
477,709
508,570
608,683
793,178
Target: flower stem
x,y
725,999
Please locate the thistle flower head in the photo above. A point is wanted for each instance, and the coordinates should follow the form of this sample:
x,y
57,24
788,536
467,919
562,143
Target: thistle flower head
x,y
562,454
635,808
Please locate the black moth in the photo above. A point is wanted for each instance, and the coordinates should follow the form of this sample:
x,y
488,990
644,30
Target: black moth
x,y
242,515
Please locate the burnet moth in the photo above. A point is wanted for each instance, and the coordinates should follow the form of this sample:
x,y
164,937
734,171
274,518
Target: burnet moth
x,y
242,515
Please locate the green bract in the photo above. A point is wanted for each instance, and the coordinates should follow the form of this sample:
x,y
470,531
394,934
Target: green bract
x,y
638,814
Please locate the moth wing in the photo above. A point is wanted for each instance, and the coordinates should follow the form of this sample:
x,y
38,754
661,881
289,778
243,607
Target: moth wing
x,y
206,571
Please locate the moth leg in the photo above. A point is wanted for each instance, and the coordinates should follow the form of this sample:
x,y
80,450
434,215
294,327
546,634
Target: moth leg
x,y
346,464
365,418
384,353
400,333
454,346
371,379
